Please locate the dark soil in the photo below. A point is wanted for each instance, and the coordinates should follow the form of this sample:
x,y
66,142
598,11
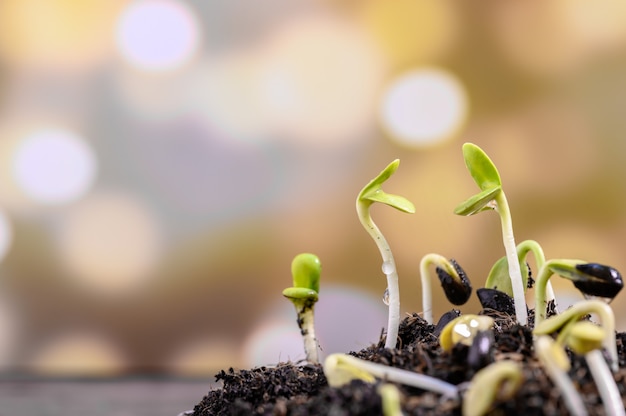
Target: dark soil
x,y
292,389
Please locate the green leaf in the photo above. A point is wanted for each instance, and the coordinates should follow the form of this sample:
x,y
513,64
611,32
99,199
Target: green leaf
x,y
478,202
481,167
498,277
305,270
372,192
300,293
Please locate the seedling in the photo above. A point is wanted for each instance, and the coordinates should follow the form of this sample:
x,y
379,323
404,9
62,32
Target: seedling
x,y
340,369
594,280
576,312
586,338
454,282
554,359
305,270
499,381
390,396
492,196
372,192
463,330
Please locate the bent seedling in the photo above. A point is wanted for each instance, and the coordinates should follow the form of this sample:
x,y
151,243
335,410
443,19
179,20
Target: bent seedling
x,y
305,270
452,277
497,382
492,196
371,193
340,369
592,279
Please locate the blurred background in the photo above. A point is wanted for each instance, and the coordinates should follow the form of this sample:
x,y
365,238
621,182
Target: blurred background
x,y
162,162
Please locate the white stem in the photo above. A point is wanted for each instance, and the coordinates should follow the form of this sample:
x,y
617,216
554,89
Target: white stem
x,y
611,397
307,329
515,272
389,268
427,292
571,397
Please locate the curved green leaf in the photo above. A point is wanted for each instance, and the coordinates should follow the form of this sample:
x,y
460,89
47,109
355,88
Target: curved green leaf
x,y
372,192
498,277
481,168
478,202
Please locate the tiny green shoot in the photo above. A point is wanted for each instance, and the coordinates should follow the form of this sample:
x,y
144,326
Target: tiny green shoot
x,y
305,271
454,282
340,369
492,196
371,193
594,280
554,360
391,397
463,330
498,381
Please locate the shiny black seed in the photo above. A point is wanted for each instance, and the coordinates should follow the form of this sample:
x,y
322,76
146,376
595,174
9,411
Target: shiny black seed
x,y
445,320
457,292
496,300
481,353
599,280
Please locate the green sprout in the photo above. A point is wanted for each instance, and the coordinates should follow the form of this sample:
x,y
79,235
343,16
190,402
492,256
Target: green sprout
x,y
586,338
372,192
594,280
454,282
492,196
463,329
391,397
554,360
341,369
305,270
497,382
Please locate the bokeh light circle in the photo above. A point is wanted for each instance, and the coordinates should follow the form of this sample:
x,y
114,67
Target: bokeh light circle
x,y
273,341
110,243
53,166
78,354
424,107
157,35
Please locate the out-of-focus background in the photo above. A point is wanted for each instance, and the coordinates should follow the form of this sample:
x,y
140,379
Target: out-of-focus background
x,y
162,162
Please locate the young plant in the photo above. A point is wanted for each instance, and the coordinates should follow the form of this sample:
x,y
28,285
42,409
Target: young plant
x,y
305,270
340,369
371,193
554,360
492,196
578,311
497,382
454,282
463,330
586,338
391,397
592,279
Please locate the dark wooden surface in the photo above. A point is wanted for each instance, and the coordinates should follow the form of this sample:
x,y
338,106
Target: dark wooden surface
x,y
120,397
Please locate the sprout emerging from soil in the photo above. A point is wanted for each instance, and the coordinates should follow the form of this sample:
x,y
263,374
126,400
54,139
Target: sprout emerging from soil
x,y
390,396
305,270
497,382
372,192
463,330
554,360
340,369
492,196
594,280
454,282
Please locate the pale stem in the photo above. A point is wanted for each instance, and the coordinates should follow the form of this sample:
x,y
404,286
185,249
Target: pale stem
x,y
427,294
611,397
307,329
515,272
389,265
409,378
571,397
527,246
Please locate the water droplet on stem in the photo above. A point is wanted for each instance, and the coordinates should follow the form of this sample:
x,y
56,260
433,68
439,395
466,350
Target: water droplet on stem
x,y
386,297
388,267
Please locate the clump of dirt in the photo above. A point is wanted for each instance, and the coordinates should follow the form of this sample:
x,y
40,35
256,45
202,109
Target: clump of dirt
x,y
293,389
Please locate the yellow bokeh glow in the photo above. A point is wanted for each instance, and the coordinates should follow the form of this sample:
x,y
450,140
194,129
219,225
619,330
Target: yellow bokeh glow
x,y
59,33
110,243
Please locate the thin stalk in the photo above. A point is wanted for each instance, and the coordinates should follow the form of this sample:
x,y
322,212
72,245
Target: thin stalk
x,y
307,330
611,397
515,272
532,246
427,297
389,268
